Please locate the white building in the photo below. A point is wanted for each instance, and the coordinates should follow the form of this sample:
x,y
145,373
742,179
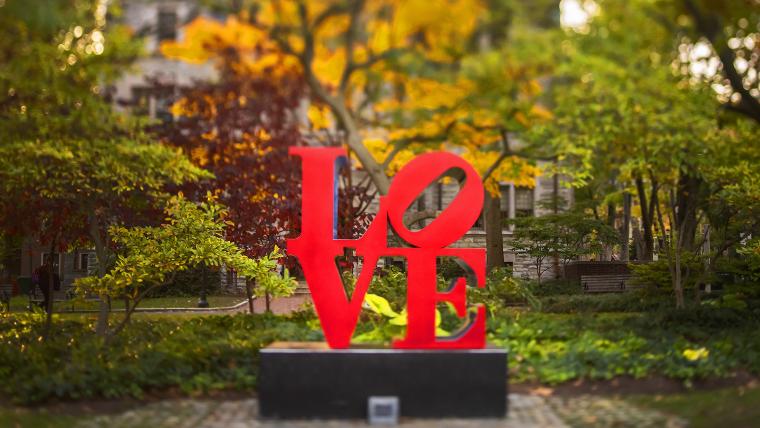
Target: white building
x,y
154,82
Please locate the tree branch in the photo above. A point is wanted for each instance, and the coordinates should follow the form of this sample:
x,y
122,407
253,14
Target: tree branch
x,y
505,151
710,28
353,28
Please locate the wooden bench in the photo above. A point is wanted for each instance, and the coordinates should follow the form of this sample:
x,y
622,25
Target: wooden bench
x,y
6,292
616,283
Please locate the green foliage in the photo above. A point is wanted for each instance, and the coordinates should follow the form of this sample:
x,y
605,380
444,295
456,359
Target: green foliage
x,y
70,165
385,324
565,236
90,171
613,302
390,283
190,283
556,287
57,58
657,273
448,268
503,290
196,355
193,235
200,354
751,251
555,348
150,257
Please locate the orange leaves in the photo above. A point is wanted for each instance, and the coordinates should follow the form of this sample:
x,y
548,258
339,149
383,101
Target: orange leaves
x,y
319,117
203,37
256,53
432,94
511,169
329,64
445,25
380,150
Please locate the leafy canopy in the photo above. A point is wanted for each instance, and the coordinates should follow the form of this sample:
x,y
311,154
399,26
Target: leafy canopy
x,y
191,235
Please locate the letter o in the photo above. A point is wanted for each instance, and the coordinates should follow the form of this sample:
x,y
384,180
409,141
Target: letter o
x,y
455,220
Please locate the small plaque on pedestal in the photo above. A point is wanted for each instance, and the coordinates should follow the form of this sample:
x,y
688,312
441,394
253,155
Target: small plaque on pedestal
x,y
310,380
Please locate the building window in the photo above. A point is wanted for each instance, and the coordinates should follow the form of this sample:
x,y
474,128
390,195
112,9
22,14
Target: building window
x,y
167,25
82,262
56,261
504,203
153,101
141,100
523,202
164,103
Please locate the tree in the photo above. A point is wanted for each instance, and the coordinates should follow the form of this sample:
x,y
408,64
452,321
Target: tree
x,y
149,257
239,128
75,190
564,236
394,73
730,29
623,113
70,166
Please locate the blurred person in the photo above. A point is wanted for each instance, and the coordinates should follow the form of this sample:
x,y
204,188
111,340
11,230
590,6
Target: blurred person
x,y
44,275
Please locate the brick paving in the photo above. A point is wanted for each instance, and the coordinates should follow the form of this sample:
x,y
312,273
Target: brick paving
x,y
281,306
526,411
595,411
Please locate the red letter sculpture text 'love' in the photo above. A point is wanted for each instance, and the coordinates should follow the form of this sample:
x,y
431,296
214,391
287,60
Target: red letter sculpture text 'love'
x,y
318,246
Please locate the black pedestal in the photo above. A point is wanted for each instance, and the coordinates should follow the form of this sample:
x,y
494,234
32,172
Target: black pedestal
x,y
309,380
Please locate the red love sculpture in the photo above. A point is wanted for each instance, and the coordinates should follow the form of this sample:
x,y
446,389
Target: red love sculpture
x,y
318,246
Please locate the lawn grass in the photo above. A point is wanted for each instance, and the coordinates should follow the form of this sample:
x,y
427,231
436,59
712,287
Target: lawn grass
x,y
730,407
20,303
20,417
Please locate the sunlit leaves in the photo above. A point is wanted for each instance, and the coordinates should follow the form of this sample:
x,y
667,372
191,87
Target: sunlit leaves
x,y
191,235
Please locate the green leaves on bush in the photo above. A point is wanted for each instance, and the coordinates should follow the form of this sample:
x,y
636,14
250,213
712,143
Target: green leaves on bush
x,y
555,348
194,355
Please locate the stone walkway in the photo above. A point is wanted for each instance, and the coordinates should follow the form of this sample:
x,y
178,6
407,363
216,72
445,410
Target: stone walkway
x,y
281,306
526,411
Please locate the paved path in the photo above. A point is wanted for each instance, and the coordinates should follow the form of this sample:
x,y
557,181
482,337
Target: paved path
x,y
526,411
281,306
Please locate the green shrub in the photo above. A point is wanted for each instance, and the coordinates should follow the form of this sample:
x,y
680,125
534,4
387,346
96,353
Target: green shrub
x,y
656,274
193,354
613,302
555,348
390,283
190,283
197,354
503,290
556,287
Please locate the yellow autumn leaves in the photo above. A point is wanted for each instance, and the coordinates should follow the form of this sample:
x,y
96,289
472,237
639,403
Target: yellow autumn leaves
x,y
417,111
206,38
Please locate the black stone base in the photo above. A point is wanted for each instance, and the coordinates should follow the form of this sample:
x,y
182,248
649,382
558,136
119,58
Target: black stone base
x,y
309,380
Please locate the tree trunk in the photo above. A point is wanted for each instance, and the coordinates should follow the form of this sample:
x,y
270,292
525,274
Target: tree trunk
x,y
50,290
492,222
647,214
625,230
687,200
607,251
677,282
555,209
249,292
104,309
353,137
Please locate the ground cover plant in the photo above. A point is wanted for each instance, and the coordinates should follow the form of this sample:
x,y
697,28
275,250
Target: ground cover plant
x,y
192,354
198,354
